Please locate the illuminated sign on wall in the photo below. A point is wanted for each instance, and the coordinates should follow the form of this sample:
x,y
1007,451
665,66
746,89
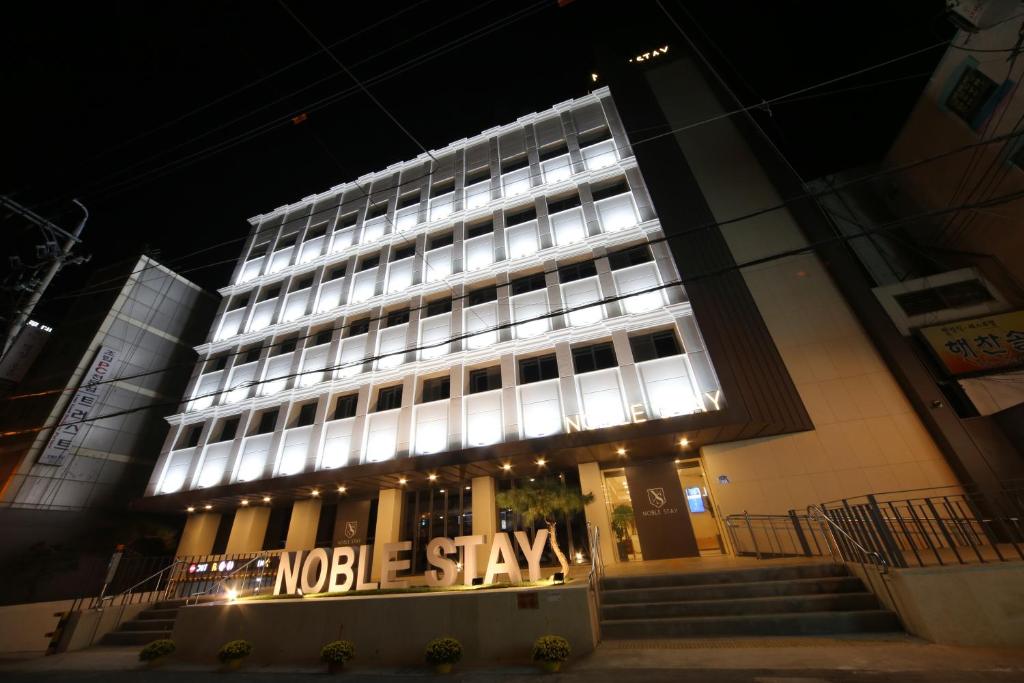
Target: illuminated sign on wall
x,y
694,499
978,345
649,55
637,414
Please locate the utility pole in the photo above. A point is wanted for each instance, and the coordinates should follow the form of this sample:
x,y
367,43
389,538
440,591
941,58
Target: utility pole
x,y
58,262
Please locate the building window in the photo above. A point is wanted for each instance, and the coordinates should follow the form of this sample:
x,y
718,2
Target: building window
x,y
404,252
593,357
335,274
267,422
630,257
654,345
252,354
389,398
484,379
559,204
528,283
239,302
442,187
215,364
316,231
304,283
955,295
192,436
259,251
347,221
228,429
555,149
286,242
538,369
357,327
270,293
478,175
377,210
620,187
346,406
523,216
479,229
441,241
399,317
286,346
408,200
439,307
515,163
436,389
576,271
369,262
307,414
970,95
482,295
594,136
323,337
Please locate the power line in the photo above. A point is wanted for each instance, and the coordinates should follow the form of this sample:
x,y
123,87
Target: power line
x,y
682,281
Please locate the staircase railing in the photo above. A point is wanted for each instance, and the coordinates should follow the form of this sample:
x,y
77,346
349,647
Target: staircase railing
x,y
596,573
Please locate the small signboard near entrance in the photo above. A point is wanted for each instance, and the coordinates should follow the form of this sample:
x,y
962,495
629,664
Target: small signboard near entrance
x,y
660,511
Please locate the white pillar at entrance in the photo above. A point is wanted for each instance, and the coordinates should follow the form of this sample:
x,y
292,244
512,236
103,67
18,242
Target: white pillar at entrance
x,y
485,517
302,525
247,530
597,510
389,526
199,534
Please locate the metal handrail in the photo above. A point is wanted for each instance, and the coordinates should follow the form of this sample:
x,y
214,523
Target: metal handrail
x,y
816,511
596,571
130,589
220,583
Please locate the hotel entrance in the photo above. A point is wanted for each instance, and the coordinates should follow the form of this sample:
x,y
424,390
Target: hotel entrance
x,y
678,513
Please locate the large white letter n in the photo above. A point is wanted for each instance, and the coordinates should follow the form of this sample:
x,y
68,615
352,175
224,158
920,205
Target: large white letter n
x,y
288,572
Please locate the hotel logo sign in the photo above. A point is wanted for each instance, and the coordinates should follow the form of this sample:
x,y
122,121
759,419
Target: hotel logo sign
x,y
351,529
656,497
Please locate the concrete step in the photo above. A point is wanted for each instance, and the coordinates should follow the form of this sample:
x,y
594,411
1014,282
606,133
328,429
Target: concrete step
x,y
133,637
742,606
158,614
148,625
798,624
734,590
770,573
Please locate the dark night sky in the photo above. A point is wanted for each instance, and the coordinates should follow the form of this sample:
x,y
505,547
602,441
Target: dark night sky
x,y
84,81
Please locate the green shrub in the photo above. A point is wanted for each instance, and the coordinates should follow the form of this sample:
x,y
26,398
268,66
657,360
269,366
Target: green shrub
x,y
551,649
337,652
157,649
234,649
443,651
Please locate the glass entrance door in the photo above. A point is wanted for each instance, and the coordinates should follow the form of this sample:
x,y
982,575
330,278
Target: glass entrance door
x,y
700,506
620,513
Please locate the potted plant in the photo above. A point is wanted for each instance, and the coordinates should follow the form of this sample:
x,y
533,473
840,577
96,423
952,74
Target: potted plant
x,y
622,519
234,652
543,499
551,652
157,652
336,653
443,653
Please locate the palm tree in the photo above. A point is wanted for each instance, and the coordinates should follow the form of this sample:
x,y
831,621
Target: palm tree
x,y
542,499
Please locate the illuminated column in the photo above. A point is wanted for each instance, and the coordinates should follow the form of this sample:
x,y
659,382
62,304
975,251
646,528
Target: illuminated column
x,y
597,511
302,526
628,373
389,525
199,534
248,530
485,517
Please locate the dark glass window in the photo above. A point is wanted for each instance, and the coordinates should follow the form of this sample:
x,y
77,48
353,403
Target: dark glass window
x,y
267,422
252,354
270,293
286,346
954,295
478,175
629,257
409,200
335,273
479,229
403,252
215,364
398,317
442,187
346,406
357,327
377,210
555,149
303,283
323,337
484,379
316,231
482,295
369,262
192,436
307,414
563,203
538,368
288,241
239,302
970,94
521,216
441,241
389,398
528,283
347,221
593,357
438,307
594,136
436,389
654,345
576,271
620,187
515,163
259,251
228,429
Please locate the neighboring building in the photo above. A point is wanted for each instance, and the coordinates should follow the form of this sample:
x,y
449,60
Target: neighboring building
x,y
395,350
59,486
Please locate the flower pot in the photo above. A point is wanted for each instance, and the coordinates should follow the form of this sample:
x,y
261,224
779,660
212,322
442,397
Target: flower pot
x,y
335,667
551,667
233,664
445,668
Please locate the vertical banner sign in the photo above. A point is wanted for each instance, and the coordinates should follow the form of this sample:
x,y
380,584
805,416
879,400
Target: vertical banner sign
x,y
660,511
85,403
350,526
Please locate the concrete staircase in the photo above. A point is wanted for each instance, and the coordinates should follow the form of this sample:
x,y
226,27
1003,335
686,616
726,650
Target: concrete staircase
x,y
797,600
153,623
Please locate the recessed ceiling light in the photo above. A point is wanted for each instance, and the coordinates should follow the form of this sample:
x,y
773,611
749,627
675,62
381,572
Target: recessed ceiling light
x,y
620,451
432,477
541,462
266,499
468,488
507,466
314,493
684,442
190,508
403,481
440,490
245,502
342,489
207,507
